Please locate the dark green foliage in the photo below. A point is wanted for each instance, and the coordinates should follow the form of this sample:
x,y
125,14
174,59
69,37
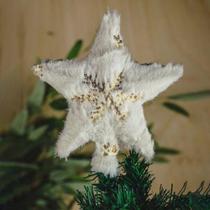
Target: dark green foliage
x,y
18,125
131,190
191,96
37,96
30,174
59,104
73,53
176,108
31,177
166,151
184,97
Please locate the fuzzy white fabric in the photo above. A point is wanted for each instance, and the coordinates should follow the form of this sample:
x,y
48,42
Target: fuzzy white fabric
x,y
105,92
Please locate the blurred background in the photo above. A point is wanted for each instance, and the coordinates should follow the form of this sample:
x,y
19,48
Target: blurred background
x,y
154,31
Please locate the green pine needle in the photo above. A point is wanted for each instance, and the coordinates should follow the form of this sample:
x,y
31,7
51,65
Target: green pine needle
x,y
131,190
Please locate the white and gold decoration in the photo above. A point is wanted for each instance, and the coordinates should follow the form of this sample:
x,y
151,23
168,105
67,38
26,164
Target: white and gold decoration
x,y
105,92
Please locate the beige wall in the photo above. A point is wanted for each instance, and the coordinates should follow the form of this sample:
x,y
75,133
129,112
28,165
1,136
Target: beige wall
x,y
158,30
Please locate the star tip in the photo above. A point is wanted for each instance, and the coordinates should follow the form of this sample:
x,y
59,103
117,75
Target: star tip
x,y
180,69
111,14
33,68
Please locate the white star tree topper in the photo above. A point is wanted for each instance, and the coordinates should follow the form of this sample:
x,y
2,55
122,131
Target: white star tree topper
x,y
105,92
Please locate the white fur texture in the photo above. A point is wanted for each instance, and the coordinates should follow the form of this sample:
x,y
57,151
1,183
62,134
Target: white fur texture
x,y
108,59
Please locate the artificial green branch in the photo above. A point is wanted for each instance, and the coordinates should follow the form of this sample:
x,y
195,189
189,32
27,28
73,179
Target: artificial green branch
x,y
131,190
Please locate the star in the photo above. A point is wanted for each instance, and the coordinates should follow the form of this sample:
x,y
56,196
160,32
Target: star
x,y
106,91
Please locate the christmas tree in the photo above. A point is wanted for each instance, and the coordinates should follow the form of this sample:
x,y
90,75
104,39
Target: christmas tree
x,y
131,190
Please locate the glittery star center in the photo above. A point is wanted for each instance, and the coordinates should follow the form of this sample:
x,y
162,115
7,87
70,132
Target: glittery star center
x,y
104,98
